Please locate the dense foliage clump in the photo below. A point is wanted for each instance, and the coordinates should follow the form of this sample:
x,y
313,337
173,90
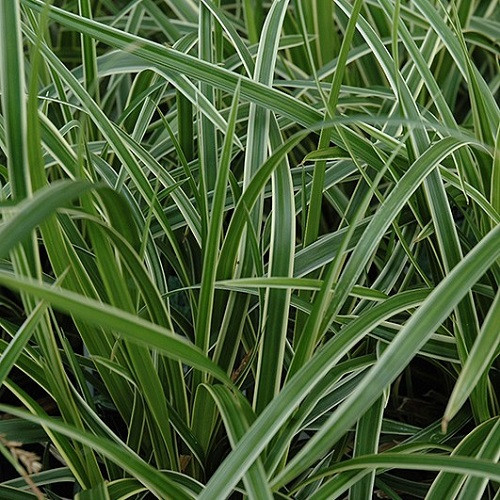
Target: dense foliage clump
x,y
249,249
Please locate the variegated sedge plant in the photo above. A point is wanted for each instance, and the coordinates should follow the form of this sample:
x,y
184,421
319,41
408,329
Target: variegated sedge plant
x,y
249,249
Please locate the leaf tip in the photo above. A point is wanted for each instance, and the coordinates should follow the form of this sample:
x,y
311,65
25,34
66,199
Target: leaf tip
x,y
444,424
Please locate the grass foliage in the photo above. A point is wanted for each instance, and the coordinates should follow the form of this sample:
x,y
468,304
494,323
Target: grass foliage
x,y
249,249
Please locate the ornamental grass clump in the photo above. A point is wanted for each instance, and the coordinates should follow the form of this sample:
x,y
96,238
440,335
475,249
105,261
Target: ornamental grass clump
x,y
249,249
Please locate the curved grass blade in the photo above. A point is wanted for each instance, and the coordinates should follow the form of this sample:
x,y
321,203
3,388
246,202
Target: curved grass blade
x,y
237,415
32,212
478,361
